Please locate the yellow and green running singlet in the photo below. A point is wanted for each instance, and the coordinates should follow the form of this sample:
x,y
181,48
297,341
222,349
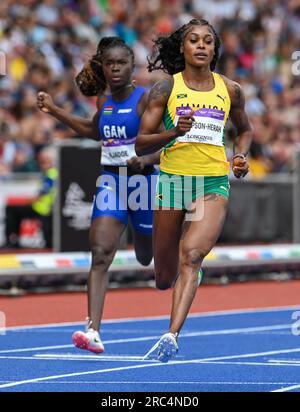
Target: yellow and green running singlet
x,y
201,151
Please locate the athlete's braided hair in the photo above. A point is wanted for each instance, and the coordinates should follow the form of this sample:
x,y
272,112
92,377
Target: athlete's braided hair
x,y
168,56
91,80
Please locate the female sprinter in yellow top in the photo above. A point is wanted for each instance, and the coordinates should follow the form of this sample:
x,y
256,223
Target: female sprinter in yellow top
x,y
192,194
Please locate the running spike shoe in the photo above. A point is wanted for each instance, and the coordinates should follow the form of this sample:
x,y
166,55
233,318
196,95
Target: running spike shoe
x,y
88,340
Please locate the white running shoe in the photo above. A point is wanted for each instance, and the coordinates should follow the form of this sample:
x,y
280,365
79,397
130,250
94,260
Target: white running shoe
x,y
167,348
89,340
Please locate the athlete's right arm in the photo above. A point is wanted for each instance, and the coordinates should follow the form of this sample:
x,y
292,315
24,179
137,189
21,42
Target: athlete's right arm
x,y
148,140
84,127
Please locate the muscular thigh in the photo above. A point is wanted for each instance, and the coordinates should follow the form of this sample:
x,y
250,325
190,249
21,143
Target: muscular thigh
x,y
202,232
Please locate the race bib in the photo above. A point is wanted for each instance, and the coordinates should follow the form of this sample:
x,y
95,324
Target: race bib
x,y
116,152
208,126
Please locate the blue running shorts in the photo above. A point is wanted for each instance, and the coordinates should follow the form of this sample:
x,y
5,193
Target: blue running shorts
x,y
123,196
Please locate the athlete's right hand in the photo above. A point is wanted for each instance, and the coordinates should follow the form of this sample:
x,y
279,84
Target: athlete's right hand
x,y
45,103
184,124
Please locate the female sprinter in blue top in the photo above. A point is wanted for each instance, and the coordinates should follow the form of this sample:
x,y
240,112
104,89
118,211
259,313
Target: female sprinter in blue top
x,y
116,123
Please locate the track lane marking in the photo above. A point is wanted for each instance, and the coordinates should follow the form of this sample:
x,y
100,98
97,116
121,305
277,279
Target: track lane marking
x,y
286,389
163,317
156,337
171,363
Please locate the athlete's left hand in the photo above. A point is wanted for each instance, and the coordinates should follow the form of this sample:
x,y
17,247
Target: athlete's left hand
x,y
240,167
137,164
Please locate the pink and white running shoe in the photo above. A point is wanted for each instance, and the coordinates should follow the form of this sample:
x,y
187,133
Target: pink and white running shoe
x,y
89,340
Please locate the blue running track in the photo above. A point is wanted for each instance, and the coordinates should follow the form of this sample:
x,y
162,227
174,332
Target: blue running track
x,y
234,351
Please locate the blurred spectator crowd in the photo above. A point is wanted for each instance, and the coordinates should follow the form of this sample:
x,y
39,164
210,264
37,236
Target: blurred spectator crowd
x,y
46,43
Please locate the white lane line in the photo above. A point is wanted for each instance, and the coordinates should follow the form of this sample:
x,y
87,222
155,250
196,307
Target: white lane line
x,y
150,318
78,358
149,338
102,358
286,389
284,361
248,355
172,363
140,359
43,325
248,363
18,357
66,375
162,383
75,356
37,348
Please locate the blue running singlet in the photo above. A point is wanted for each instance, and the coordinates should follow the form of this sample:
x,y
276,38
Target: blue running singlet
x,y
118,195
118,127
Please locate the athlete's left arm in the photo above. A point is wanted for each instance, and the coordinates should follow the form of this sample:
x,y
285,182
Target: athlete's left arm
x,y
240,120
